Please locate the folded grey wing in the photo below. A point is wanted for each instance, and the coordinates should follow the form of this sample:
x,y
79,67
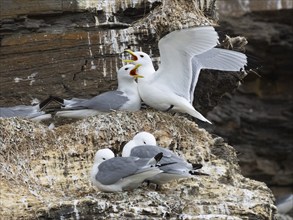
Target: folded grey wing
x,y
7,112
176,168
144,163
149,151
20,111
114,169
112,100
74,102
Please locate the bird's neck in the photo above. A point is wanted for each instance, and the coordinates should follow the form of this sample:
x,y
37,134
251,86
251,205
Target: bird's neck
x,y
146,70
127,86
127,149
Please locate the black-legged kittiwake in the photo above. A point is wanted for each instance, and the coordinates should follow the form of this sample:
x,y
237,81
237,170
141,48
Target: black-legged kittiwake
x,y
113,174
183,54
147,148
126,97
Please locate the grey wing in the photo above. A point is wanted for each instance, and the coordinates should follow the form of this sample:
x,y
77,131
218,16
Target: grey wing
x,y
144,163
114,169
74,102
112,100
176,168
20,111
146,151
6,112
149,151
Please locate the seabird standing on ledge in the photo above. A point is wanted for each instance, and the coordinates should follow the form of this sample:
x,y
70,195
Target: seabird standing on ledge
x,y
126,97
183,54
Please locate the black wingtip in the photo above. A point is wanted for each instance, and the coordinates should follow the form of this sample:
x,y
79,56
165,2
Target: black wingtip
x,y
57,99
193,172
44,103
158,157
165,164
196,166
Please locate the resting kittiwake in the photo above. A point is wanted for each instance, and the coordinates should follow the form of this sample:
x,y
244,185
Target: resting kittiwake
x,y
143,145
113,174
126,97
32,112
183,54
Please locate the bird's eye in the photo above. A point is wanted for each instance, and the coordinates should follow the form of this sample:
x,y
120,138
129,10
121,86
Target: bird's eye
x,y
126,68
144,142
104,158
141,56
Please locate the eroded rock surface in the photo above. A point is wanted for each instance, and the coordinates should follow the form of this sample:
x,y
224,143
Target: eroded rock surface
x,y
257,119
45,173
75,50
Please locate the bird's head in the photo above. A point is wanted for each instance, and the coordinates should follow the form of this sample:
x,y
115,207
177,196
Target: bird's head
x,y
143,138
103,155
129,71
139,58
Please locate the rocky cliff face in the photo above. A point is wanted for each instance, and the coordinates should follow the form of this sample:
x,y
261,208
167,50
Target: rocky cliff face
x,y
60,50
45,173
257,119
73,48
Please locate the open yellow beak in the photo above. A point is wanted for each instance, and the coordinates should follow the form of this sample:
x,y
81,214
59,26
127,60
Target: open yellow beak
x,y
127,61
134,73
134,57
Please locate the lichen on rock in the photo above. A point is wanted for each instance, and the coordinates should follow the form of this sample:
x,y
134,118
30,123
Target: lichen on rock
x,y
45,173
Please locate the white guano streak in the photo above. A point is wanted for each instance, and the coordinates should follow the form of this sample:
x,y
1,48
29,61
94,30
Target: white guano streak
x,y
93,66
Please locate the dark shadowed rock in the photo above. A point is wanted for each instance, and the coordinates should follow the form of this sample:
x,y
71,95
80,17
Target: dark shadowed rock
x,y
257,119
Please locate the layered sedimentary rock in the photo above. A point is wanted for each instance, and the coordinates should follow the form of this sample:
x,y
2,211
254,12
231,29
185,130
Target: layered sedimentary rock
x,y
257,119
75,49
45,173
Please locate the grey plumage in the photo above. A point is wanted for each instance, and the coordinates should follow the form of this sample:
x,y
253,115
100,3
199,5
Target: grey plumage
x,y
125,98
112,170
17,111
178,164
33,112
112,100
114,174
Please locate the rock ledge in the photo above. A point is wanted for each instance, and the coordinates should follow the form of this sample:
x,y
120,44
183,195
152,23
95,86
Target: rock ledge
x,y
45,173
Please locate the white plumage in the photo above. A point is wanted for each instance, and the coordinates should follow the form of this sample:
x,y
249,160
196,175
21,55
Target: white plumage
x,y
183,54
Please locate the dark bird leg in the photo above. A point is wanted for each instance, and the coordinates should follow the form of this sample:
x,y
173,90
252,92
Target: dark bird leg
x,y
171,106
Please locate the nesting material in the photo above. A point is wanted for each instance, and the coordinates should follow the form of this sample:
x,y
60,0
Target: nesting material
x,y
45,173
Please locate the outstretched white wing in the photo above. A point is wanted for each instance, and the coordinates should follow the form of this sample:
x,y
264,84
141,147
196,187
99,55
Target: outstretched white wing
x,y
217,59
177,50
